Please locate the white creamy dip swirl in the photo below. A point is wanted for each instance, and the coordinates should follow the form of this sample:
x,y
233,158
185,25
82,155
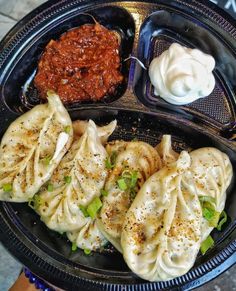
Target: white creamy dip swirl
x,y
181,75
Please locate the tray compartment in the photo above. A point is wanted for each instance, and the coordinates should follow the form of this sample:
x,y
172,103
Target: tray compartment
x,y
18,89
158,32
47,253
147,127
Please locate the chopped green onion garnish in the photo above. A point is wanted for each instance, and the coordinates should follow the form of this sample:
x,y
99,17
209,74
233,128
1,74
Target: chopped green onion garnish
x,y
209,199
7,187
67,129
211,216
94,207
223,219
208,210
126,174
50,188
108,164
208,213
113,158
67,179
84,210
87,251
110,161
134,179
74,247
215,219
104,192
122,184
128,180
207,244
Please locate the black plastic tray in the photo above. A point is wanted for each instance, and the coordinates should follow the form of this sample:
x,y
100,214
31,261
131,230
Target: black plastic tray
x,y
146,29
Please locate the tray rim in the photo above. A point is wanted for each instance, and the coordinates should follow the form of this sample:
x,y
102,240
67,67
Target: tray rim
x,y
230,29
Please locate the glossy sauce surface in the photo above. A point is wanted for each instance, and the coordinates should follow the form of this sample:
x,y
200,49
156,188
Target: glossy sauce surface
x,y
84,64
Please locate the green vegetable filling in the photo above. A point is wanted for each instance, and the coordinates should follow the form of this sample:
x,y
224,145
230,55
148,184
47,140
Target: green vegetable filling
x,y
207,244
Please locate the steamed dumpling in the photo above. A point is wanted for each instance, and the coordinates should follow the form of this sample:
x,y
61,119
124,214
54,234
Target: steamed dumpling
x,y
84,167
133,158
32,148
164,149
88,237
162,229
80,126
212,172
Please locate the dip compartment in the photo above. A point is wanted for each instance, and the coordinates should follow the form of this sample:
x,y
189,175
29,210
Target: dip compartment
x,y
157,33
18,88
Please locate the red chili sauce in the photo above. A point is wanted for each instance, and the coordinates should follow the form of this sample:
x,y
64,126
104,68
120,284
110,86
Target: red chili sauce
x,y
84,64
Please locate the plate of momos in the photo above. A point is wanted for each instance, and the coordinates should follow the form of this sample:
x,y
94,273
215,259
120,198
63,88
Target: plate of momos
x,y
157,207
132,188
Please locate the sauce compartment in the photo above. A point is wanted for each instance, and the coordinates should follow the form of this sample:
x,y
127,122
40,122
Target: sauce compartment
x,y
18,88
158,32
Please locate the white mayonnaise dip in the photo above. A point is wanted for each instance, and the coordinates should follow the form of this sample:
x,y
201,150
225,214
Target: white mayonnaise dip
x,y
181,75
